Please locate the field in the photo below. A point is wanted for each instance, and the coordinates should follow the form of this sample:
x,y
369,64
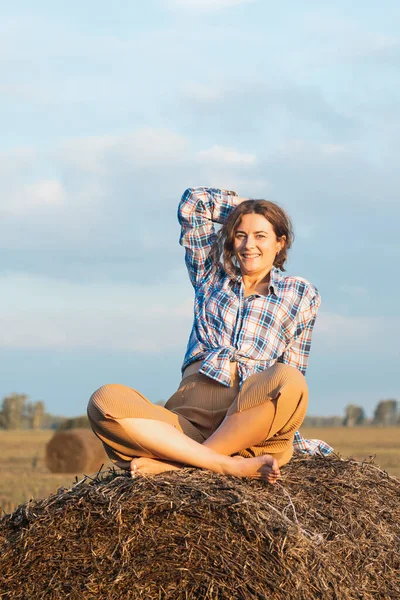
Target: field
x,y
362,442
25,476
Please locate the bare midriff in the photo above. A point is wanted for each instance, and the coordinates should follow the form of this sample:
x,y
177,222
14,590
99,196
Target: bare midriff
x,y
196,366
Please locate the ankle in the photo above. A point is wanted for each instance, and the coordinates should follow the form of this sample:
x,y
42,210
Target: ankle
x,y
228,465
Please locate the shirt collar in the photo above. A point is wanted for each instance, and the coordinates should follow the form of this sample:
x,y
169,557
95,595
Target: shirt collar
x,y
275,279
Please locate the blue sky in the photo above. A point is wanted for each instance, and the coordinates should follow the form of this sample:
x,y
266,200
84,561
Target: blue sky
x,y
108,112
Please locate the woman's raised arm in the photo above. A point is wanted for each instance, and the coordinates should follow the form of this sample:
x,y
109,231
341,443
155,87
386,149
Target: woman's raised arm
x,y
198,210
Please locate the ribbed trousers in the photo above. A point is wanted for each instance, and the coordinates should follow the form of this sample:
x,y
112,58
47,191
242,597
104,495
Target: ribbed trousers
x,y
198,408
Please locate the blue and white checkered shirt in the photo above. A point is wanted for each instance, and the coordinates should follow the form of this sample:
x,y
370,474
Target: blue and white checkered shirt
x,y
255,331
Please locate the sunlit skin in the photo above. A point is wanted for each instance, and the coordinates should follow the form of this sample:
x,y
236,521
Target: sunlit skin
x,y
255,248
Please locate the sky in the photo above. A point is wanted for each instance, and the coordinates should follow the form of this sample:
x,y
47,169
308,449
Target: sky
x,y
109,111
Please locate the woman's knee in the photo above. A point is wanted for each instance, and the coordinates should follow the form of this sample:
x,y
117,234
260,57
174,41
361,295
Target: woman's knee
x,y
109,389
290,373
278,377
292,396
106,394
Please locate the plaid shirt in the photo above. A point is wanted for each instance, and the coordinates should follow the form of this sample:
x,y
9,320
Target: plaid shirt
x,y
255,331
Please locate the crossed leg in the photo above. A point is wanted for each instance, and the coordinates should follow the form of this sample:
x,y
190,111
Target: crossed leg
x,y
265,406
172,447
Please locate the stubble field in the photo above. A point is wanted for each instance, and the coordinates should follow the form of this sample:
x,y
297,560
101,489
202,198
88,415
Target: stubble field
x,y
25,476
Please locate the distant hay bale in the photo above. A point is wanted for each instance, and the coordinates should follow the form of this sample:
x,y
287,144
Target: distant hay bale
x,y
75,451
329,530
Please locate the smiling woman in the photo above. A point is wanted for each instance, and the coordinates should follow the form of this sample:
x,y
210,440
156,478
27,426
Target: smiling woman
x,y
243,394
258,233
256,247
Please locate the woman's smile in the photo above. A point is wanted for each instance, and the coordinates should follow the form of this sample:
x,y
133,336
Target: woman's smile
x,y
250,255
250,258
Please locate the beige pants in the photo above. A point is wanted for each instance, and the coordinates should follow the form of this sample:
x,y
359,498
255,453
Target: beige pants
x,y
199,406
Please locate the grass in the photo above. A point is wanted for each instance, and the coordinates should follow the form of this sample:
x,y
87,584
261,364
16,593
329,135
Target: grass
x,y
362,442
25,475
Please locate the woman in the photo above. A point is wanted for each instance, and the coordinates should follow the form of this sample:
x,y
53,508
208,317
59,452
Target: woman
x,y
243,394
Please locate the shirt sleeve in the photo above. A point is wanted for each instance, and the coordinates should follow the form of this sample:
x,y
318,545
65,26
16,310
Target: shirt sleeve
x,y
298,351
313,447
199,209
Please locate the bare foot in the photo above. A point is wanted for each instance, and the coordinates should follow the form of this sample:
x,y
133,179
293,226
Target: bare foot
x,y
151,466
261,467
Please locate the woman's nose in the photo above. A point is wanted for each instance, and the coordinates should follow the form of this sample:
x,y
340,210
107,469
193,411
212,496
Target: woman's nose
x,y
249,242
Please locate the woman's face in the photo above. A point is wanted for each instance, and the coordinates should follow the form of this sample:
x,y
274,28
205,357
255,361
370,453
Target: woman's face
x,y
255,245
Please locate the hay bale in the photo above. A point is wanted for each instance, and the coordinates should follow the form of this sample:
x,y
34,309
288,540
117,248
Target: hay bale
x,y
75,451
329,530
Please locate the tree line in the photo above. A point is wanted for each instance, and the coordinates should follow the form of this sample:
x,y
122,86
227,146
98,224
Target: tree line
x,y
386,414
17,412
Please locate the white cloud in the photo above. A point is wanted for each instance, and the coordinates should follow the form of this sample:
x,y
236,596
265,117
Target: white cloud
x,y
43,313
298,147
334,148
205,5
358,40
24,200
105,206
363,334
23,92
153,146
86,170
46,192
86,154
146,328
203,93
39,312
226,156
16,161
354,291
144,147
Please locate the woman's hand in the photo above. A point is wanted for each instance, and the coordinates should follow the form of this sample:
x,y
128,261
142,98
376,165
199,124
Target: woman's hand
x,y
232,193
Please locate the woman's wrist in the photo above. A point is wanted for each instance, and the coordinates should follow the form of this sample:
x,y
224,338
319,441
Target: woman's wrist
x,y
239,199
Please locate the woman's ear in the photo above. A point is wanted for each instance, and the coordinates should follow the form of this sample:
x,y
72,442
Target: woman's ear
x,y
281,243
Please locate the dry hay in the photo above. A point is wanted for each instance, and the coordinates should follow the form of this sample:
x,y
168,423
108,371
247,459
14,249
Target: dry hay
x,y
329,530
75,451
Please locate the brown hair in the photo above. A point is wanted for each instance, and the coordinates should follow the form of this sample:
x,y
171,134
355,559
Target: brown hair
x,y
280,221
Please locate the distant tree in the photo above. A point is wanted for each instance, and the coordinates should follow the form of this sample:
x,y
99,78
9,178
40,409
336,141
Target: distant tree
x,y
337,421
51,421
315,421
81,422
386,413
27,417
13,408
17,413
37,415
354,415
